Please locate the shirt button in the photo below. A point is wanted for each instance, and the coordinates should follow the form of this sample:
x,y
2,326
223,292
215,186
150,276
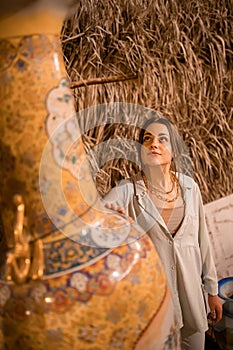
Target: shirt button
x,y
170,242
173,267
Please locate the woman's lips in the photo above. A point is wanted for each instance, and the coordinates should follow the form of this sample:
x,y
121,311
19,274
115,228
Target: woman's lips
x,y
154,154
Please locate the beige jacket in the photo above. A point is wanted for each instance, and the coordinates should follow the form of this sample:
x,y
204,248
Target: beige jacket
x,y
187,257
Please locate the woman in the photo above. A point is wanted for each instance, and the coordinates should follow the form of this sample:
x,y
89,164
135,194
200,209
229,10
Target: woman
x,y
168,205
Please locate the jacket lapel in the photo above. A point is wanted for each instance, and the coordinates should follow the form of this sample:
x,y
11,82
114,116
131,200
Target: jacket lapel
x,y
148,210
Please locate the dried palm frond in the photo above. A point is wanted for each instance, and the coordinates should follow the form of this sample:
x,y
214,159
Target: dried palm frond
x,y
181,53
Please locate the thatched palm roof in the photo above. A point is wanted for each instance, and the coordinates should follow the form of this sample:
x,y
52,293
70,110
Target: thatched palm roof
x,y
177,58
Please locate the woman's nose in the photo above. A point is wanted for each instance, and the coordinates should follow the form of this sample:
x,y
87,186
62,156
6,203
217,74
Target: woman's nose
x,y
155,142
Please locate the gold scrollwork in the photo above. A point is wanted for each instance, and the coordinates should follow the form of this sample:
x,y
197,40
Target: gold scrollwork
x,y
22,262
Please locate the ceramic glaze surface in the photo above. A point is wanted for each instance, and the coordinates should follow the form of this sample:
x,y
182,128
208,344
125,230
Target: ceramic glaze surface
x,y
93,307
103,286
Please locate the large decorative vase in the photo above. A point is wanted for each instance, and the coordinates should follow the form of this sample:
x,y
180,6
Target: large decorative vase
x,y
76,276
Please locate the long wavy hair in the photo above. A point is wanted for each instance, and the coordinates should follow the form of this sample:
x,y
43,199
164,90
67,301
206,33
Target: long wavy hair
x,y
181,161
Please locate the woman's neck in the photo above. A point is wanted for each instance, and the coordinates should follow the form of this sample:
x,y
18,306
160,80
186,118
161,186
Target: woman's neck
x,y
158,176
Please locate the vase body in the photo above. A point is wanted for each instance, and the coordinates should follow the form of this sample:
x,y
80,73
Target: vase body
x,y
91,295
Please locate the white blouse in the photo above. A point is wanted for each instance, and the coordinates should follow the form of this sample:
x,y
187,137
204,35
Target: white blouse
x,y
187,257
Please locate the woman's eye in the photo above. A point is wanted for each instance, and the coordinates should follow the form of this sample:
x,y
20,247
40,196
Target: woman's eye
x,y
146,138
163,139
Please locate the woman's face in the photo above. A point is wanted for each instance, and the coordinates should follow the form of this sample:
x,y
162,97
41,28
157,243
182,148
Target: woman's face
x,y
156,147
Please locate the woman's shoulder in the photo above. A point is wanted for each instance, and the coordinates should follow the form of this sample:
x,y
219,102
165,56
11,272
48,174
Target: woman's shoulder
x,y
129,181
120,194
128,185
125,182
123,186
186,181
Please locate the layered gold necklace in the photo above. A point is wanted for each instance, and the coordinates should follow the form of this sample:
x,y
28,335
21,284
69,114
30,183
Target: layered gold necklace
x,y
160,193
